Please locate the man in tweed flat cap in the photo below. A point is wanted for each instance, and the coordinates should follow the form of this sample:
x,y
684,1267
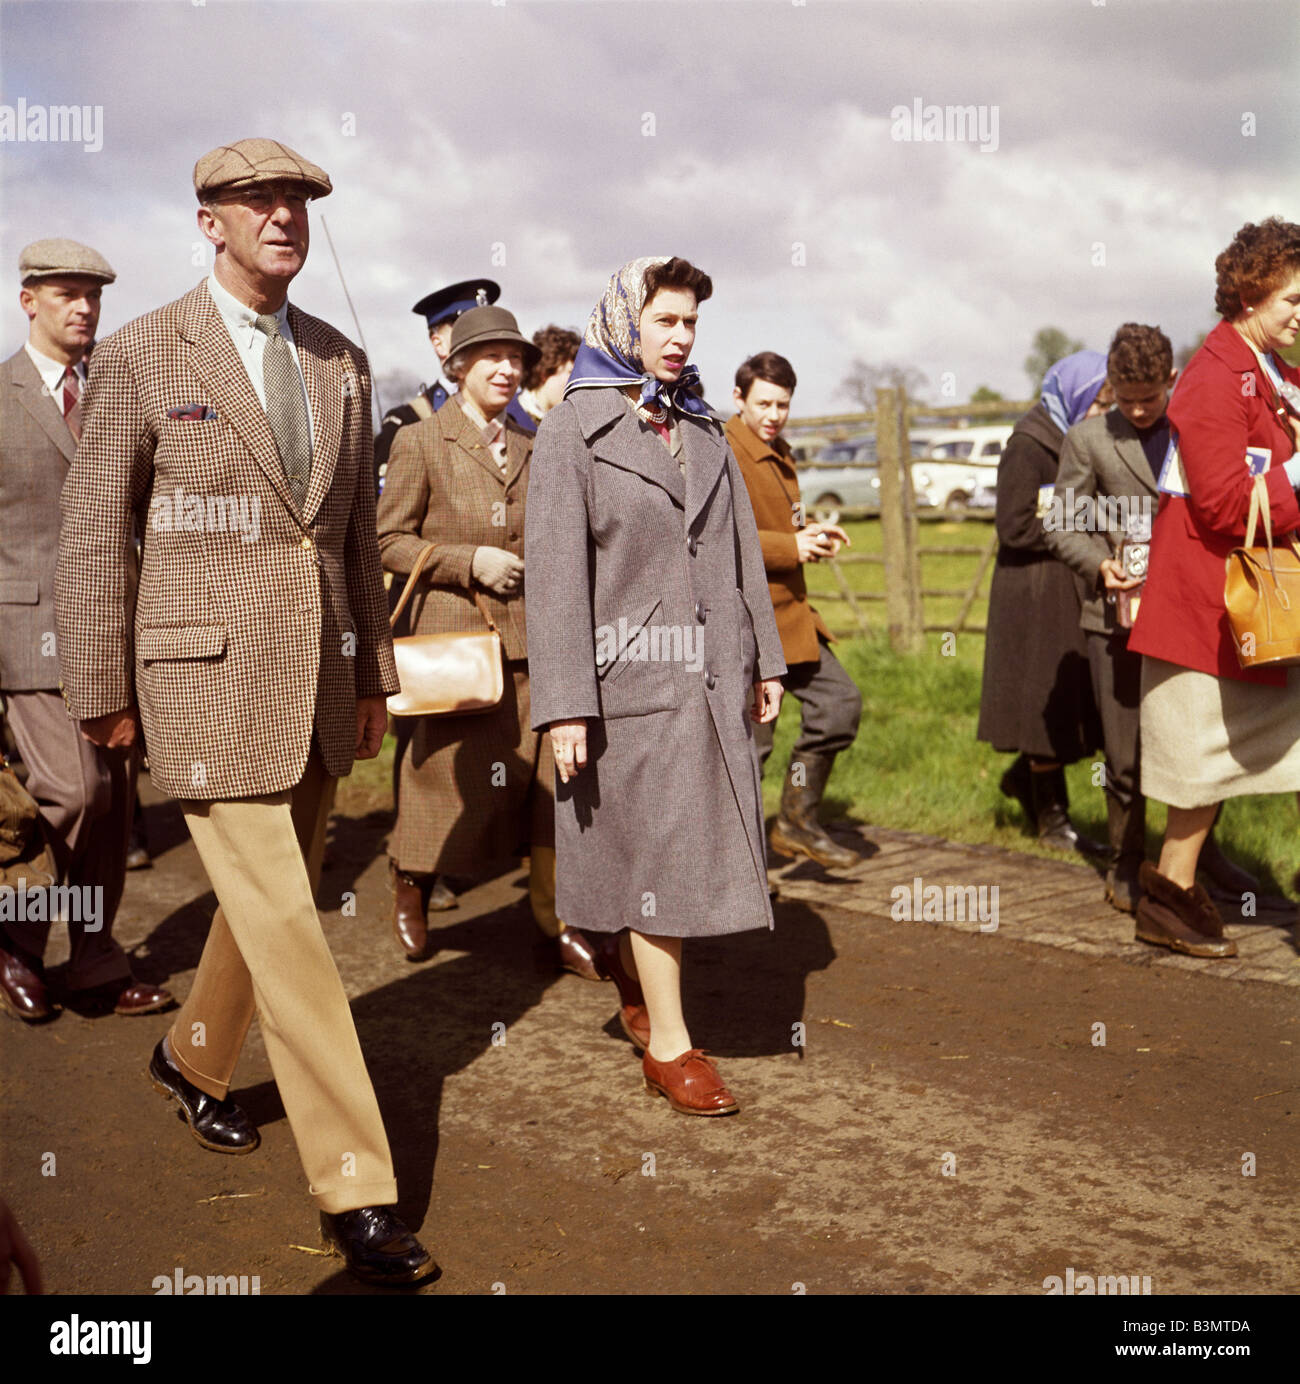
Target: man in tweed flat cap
x,y
84,792
261,661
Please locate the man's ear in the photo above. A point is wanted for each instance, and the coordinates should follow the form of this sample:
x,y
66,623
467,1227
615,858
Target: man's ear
x,y
1173,375
210,226
737,397
27,301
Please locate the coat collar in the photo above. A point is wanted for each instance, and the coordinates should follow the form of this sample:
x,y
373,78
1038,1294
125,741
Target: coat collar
x,y
744,441
219,367
616,435
460,429
29,390
1129,449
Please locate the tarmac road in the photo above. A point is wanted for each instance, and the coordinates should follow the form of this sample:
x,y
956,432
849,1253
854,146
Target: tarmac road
x,y
948,1125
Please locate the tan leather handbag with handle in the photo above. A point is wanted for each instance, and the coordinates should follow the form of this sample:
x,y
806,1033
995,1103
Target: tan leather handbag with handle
x,y
449,674
1262,593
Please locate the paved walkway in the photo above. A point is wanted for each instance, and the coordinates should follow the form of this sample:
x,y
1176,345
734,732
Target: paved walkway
x,y
1052,903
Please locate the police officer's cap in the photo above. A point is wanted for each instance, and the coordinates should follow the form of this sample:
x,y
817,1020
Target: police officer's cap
x,y
448,303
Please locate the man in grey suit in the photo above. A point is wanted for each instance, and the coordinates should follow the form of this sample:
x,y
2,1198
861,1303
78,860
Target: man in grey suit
x,y
84,792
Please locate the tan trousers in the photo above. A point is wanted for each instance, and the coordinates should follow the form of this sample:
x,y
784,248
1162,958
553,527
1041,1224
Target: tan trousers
x,y
266,949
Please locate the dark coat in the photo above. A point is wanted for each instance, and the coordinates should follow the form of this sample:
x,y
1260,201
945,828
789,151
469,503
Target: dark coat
x,y
663,830
1037,693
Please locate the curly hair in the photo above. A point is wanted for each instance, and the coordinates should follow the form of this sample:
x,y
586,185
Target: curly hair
x,y
678,273
1258,262
1139,355
558,348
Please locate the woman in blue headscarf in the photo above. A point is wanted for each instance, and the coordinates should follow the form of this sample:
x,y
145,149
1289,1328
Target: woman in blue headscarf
x,y
652,652
1036,700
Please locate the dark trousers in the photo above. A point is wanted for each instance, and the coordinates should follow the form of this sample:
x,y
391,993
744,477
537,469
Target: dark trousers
x,y
1117,689
831,706
85,795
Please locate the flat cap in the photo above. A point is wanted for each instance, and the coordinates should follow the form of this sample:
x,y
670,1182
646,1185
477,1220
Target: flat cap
x,y
251,161
42,259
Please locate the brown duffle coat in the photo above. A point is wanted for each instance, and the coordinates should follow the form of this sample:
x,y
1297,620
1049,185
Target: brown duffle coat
x,y
773,486
473,790
649,617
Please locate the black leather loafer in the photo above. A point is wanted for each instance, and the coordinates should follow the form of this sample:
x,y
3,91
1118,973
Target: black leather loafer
x,y
378,1248
219,1125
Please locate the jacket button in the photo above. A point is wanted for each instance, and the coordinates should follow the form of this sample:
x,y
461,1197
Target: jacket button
x,y
699,611
691,545
306,542
710,681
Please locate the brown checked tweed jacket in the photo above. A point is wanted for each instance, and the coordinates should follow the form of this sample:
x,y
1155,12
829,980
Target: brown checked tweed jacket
x,y
255,623
443,486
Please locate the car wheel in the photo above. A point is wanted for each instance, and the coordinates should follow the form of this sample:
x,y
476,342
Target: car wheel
x,y
957,505
826,508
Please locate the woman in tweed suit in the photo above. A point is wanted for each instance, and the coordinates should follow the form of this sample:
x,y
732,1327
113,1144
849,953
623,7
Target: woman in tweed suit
x,y
475,790
654,649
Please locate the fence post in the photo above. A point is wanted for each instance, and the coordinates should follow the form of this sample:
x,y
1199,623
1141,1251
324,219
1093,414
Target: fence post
x,y
893,524
915,636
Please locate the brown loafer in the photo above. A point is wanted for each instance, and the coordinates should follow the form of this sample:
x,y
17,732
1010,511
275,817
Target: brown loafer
x,y
633,1016
1184,920
576,953
690,1082
22,991
409,923
635,1022
129,996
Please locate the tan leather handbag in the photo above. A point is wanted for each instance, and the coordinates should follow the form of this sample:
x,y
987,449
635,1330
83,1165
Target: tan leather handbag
x,y
449,674
1262,593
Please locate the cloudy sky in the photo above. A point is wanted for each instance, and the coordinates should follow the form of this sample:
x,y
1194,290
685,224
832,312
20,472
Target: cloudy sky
x,y
544,142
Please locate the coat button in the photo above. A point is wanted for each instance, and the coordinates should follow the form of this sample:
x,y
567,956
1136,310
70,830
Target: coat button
x,y
691,545
710,681
306,542
699,611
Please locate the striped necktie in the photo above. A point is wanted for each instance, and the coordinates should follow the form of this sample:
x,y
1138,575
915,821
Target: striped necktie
x,y
286,408
494,436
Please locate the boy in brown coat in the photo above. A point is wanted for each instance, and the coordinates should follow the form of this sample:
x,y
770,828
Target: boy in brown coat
x,y
830,701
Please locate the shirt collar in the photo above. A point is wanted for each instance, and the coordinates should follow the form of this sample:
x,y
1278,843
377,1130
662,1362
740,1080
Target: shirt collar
x,y
51,371
471,412
240,315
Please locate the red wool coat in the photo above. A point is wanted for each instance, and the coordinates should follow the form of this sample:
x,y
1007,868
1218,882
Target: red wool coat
x,y
1220,407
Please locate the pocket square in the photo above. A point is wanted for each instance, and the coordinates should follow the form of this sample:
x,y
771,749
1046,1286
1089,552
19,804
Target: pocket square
x,y
192,413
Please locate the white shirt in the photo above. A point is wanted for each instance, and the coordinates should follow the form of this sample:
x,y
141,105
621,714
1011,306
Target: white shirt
x,y
250,343
52,372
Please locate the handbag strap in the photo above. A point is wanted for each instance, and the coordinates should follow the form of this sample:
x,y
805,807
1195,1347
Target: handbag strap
x,y
425,554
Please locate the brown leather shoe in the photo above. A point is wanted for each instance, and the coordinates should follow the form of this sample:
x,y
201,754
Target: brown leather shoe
x,y
577,953
690,1082
129,996
22,991
1185,920
409,902
634,1019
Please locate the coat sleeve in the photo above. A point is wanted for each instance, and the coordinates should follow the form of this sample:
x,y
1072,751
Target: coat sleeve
x,y
376,671
752,577
404,507
1082,551
1211,412
558,596
1020,473
105,487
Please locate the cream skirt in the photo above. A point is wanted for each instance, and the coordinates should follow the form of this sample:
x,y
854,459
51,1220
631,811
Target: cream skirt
x,y
1206,738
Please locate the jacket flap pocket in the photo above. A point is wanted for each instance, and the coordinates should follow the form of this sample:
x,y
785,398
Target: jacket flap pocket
x,y
20,593
180,642
612,640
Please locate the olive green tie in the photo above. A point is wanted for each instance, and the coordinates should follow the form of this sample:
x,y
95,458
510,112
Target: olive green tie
x,y
286,408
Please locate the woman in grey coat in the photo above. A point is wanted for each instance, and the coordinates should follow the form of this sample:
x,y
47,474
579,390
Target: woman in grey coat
x,y
652,650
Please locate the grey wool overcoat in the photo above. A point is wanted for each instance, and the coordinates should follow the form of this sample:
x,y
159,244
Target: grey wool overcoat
x,y
649,616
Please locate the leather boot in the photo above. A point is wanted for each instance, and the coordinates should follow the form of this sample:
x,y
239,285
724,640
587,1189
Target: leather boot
x,y
1127,852
1185,920
796,830
1052,814
410,899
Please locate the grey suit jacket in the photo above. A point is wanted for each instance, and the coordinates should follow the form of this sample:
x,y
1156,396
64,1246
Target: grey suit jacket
x,y
36,450
1103,464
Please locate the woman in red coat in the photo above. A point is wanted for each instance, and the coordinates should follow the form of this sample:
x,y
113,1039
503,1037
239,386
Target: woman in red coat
x,y
1211,729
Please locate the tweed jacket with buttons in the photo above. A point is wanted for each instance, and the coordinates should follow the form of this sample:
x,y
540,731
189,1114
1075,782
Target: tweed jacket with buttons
x,y
257,624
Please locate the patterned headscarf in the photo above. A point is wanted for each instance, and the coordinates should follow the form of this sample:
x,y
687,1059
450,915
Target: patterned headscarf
x,y
610,354
1071,386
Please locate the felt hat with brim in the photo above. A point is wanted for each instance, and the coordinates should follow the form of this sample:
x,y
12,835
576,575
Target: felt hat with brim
x,y
479,326
43,259
250,162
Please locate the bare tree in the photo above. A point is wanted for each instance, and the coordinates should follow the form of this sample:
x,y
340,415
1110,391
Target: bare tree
x,y
862,381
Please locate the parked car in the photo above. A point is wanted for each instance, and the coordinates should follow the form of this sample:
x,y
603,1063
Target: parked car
x,y
844,475
958,465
